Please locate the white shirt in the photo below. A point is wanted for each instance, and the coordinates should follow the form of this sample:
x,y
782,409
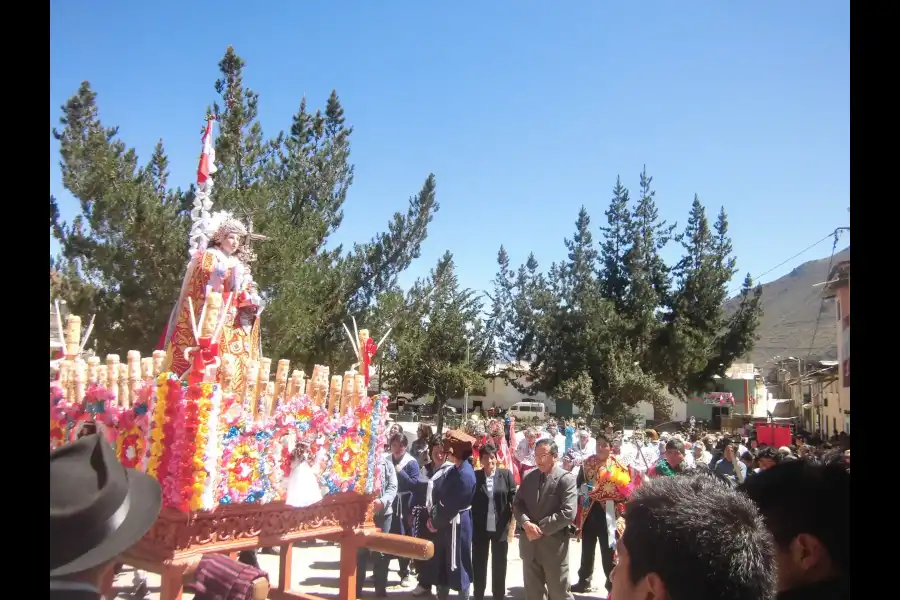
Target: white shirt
x,y
492,510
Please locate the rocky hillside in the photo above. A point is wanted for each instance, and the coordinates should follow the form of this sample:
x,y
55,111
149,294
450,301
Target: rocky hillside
x,y
790,307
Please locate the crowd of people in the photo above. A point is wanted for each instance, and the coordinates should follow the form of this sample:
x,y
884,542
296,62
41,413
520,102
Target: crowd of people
x,y
707,517
710,515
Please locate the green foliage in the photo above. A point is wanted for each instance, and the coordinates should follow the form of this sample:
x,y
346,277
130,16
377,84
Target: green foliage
x,y
440,345
579,391
614,325
130,237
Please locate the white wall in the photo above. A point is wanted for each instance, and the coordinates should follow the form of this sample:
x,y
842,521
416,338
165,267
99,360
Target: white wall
x,y
501,394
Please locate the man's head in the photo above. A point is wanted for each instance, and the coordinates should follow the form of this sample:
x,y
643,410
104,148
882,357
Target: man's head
x,y
602,446
768,457
545,453
399,444
552,428
674,452
729,451
807,508
691,537
747,459
584,436
531,435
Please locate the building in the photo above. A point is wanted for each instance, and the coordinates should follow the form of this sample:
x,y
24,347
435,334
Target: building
x,y
818,393
500,393
837,286
740,392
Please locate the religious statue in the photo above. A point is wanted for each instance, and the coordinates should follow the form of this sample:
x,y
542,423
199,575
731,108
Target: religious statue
x,y
220,267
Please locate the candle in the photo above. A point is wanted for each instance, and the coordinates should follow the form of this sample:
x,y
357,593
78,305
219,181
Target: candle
x,y
159,360
335,393
73,336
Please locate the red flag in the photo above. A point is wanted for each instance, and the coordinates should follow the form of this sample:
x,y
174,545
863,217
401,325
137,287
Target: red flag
x,y
203,169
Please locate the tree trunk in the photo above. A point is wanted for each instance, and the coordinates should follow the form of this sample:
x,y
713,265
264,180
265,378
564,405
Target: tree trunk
x,y
439,407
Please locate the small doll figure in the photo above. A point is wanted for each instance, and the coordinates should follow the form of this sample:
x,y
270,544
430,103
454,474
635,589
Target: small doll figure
x,y
303,485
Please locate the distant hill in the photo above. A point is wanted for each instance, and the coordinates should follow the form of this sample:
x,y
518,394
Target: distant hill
x,y
790,306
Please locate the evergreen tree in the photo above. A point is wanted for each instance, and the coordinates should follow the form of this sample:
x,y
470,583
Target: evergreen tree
x,y
129,237
614,248
572,336
646,271
294,187
691,349
441,324
500,316
740,334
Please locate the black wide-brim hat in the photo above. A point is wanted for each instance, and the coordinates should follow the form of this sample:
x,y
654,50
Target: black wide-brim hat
x,y
98,508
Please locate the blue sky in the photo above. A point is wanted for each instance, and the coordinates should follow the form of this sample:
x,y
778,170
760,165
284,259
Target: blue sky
x,y
523,110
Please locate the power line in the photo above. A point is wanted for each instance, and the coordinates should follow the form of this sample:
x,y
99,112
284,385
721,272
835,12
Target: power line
x,y
787,260
837,235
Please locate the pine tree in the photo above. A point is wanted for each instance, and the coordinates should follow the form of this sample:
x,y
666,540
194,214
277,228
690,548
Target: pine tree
x,y
293,187
740,335
647,273
614,247
500,316
129,237
441,325
690,346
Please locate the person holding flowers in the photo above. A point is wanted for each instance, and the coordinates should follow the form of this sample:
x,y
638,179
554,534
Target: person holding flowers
x,y
604,485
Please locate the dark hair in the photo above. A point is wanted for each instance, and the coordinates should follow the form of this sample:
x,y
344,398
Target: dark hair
x,y
552,447
601,435
434,441
675,444
746,456
400,439
798,496
721,550
770,453
487,450
427,430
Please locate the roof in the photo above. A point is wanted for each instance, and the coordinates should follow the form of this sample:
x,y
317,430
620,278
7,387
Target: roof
x,y
838,278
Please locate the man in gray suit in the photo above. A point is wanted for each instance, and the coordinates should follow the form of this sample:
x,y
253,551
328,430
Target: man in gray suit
x,y
545,507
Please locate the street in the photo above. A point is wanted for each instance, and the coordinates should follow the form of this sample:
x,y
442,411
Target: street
x,y
316,568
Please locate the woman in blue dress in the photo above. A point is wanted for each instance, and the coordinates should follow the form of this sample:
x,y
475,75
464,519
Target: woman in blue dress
x,y
451,517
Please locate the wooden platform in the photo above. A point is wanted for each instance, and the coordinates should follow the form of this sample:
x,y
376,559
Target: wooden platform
x,y
177,540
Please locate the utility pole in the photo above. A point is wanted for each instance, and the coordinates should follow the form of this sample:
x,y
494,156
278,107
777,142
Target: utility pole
x,y
466,396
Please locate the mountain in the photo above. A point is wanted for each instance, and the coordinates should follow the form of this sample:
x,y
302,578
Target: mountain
x,y
790,306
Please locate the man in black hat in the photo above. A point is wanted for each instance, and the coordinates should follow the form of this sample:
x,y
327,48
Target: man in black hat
x,y
98,510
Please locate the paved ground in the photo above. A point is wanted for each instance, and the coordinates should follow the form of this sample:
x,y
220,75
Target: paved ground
x,y
316,571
